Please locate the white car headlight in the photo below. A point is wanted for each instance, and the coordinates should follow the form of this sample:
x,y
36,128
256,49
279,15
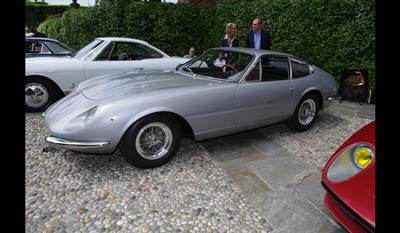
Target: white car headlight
x,y
350,162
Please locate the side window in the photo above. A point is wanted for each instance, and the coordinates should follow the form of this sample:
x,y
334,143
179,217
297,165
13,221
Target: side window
x,y
274,68
35,47
148,52
124,52
299,68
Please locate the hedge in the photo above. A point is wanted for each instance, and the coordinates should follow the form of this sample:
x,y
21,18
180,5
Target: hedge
x,y
333,34
37,12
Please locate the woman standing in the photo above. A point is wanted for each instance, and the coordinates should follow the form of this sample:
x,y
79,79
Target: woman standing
x,y
230,40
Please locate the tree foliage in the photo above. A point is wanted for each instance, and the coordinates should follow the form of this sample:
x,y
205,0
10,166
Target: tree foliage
x,y
333,34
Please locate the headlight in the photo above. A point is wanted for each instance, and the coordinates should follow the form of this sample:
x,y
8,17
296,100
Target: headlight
x,y
90,115
363,156
81,120
350,162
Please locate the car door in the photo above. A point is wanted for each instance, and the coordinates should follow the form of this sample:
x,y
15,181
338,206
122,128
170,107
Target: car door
x,y
119,57
266,93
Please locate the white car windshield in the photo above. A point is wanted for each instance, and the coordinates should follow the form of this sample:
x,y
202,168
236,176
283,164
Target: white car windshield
x,y
218,64
87,49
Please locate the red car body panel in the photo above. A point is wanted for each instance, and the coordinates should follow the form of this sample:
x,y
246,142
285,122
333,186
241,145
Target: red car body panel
x,y
352,201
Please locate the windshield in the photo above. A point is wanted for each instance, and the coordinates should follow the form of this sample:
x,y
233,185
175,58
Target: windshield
x,y
87,49
59,48
219,64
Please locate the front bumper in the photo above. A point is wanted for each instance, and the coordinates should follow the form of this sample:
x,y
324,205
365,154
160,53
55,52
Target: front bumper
x,y
75,145
350,220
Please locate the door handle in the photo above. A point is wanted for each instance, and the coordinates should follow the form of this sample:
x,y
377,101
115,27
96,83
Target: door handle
x,y
291,90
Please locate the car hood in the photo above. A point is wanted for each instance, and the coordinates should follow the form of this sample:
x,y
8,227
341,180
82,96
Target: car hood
x,y
47,60
45,63
129,83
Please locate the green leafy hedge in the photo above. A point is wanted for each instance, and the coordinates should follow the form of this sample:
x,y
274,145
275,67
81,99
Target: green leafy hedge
x,y
37,12
333,34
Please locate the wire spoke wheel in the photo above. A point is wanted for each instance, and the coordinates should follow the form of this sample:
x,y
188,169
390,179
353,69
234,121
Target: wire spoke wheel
x,y
307,112
154,140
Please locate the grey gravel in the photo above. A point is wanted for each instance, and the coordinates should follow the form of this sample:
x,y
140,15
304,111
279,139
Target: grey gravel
x,y
68,191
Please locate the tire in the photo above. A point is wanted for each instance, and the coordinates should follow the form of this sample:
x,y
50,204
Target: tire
x,y
305,113
151,142
39,94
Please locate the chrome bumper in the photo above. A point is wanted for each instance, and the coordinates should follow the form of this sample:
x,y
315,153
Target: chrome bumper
x,y
75,145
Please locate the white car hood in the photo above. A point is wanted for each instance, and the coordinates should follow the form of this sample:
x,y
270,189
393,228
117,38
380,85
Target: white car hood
x,y
46,64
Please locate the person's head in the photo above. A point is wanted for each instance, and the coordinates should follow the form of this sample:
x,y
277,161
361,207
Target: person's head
x,y
257,25
191,52
231,28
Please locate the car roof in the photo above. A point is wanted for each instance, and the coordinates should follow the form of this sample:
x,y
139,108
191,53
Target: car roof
x,y
257,52
122,39
43,39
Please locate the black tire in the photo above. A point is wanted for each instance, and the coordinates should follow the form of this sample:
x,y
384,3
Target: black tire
x,y
305,113
151,141
39,94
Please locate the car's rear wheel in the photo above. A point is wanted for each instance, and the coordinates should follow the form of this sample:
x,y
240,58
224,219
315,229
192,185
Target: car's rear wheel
x,y
152,141
305,113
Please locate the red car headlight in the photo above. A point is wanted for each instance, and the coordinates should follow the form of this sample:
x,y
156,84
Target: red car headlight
x,y
350,162
363,156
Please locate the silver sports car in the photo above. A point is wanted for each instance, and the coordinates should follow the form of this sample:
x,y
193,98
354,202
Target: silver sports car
x,y
221,92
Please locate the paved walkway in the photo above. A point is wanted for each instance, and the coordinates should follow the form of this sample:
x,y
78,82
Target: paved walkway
x,y
285,188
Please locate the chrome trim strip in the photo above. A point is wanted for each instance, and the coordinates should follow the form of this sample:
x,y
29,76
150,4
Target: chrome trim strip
x,y
75,145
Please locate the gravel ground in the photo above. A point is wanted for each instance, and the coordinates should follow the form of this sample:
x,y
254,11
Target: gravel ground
x,y
71,192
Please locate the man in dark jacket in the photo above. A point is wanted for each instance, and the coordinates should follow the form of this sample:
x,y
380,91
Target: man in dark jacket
x,y
258,38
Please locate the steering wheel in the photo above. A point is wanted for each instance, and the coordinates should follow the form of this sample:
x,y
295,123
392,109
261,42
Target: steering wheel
x,y
231,66
123,56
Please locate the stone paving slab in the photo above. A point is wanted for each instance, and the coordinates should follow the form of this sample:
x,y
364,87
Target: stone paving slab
x,y
350,108
281,173
285,189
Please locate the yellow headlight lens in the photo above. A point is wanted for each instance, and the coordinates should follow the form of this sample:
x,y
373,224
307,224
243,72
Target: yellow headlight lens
x,y
363,156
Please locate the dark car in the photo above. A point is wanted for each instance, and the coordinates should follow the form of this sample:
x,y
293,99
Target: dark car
x,y
45,47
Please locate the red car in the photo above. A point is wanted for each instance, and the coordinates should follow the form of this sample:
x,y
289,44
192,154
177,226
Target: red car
x,y
349,179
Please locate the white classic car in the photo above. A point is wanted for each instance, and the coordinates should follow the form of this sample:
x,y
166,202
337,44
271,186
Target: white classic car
x,y
49,79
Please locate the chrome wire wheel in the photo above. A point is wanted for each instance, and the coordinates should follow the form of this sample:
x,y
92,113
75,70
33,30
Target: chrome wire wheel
x,y
154,140
36,95
307,112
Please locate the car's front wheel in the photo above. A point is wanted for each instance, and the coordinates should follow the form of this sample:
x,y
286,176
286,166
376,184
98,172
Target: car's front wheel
x,y
151,142
305,113
39,94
